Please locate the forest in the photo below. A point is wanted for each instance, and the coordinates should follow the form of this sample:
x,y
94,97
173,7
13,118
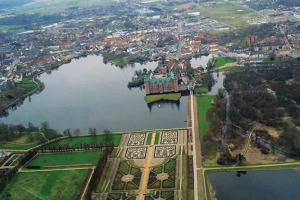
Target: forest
x,y
269,99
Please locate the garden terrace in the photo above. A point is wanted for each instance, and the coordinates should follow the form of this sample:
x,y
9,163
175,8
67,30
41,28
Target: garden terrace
x,y
64,160
163,176
120,182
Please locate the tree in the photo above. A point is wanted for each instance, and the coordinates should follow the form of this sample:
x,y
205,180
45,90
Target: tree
x,y
44,126
240,159
76,132
67,132
93,131
107,136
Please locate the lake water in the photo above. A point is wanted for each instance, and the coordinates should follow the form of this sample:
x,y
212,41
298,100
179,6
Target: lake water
x,y
257,185
87,93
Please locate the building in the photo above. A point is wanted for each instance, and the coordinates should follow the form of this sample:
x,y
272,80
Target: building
x,y
162,80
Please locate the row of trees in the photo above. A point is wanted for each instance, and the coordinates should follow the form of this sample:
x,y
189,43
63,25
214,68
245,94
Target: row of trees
x,y
78,147
10,133
98,171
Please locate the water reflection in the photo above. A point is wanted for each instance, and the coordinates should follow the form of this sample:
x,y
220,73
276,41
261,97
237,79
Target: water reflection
x,y
163,104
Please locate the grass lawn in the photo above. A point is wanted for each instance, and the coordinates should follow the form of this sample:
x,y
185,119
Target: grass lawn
x,y
64,185
27,83
19,144
14,159
87,139
149,139
221,61
201,89
156,138
227,69
114,26
228,13
11,29
55,6
121,61
66,158
204,104
169,97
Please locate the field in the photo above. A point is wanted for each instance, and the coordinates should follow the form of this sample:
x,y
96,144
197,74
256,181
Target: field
x,y
87,139
221,61
65,159
19,144
45,185
13,160
26,83
156,138
168,97
201,89
228,13
204,104
11,29
55,6
149,139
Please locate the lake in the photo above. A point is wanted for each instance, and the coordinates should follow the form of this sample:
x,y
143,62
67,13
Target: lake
x,y
87,93
264,185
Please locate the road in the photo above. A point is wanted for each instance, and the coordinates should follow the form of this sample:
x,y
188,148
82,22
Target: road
x,y
146,169
199,179
254,167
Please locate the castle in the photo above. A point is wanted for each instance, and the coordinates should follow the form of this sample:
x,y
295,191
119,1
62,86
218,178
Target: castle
x,y
162,80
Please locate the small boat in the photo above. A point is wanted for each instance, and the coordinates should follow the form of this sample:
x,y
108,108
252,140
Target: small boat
x,y
159,105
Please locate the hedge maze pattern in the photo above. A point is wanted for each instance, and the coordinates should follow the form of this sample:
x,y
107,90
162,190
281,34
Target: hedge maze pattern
x,y
137,139
165,151
126,169
169,137
136,153
169,168
168,195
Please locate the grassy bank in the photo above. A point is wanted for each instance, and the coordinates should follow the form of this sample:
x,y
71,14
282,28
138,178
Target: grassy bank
x,y
204,104
73,141
221,61
43,160
168,97
22,143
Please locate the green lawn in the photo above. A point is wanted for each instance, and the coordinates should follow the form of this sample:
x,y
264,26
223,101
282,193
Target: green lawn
x,y
227,69
87,139
66,158
117,26
204,104
64,185
121,61
21,143
11,29
55,6
221,61
201,89
26,83
228,13
169,97
156,138
14,159
149,139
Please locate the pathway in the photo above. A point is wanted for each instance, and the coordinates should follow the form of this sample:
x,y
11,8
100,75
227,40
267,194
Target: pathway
x,y
146,170
199,179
